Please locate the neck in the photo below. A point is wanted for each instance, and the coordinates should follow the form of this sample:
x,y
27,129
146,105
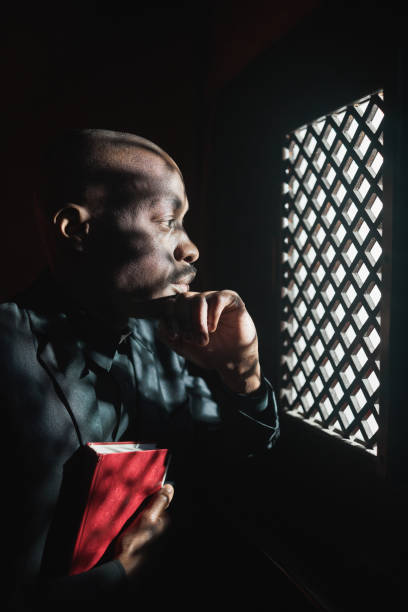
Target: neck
x,y
87,295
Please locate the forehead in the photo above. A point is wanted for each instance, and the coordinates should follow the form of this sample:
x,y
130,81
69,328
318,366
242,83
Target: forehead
x,y
141,171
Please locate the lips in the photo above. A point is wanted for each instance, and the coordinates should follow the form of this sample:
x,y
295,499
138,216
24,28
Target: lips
x,y
183,284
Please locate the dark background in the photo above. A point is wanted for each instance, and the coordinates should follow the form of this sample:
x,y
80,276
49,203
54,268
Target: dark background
x,y
156,73
217,85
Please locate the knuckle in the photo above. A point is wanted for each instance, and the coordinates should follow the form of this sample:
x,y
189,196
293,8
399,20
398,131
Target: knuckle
x,y
231,296
216,297
236,298
149,519
232,293
154,523
198,299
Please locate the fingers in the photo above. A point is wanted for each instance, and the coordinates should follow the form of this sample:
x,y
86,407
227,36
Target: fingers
x,y
159,502
198,320
151,515
136,541
185,319
153,518
192,317
218,301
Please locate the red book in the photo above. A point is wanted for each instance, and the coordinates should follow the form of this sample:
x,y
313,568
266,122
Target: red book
x,y
122,475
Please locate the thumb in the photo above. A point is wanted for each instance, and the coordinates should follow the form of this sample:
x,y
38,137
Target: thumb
x,y
160,501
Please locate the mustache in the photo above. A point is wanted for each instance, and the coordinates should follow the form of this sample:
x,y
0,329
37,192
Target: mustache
x,y
187,275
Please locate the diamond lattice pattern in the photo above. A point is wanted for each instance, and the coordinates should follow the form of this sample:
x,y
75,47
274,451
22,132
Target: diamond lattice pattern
x,y
332,253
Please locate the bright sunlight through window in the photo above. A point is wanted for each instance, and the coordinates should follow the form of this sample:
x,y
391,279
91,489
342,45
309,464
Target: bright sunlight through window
x,y
331,271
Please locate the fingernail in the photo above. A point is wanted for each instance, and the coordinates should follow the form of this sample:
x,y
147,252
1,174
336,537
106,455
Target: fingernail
x,y
168,492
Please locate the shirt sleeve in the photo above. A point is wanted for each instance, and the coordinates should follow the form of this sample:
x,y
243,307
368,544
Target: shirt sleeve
x,y
260,405
245,424
101,583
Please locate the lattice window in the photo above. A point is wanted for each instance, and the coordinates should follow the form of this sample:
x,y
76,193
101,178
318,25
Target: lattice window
x,y
331,285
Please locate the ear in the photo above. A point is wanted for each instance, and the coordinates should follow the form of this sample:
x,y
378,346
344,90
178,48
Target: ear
x,y
72,225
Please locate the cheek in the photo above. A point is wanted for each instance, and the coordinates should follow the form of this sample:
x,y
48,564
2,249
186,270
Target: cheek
x,y
146,267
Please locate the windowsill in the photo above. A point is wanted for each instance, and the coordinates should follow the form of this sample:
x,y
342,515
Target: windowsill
x,y
334,444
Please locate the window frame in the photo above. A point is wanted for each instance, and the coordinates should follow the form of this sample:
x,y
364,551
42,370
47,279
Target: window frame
x,y
283,369
386,464
280,91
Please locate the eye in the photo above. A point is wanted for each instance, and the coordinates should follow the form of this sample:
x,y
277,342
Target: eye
x,y
171,223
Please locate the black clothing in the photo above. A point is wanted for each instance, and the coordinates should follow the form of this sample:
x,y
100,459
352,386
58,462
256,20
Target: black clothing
x,y
66,381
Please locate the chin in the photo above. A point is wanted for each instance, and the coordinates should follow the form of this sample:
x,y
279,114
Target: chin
x,y
146,296
167,292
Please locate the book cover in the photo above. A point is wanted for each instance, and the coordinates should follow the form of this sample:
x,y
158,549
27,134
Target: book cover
x,y
120,477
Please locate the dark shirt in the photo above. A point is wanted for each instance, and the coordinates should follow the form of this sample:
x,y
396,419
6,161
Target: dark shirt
x,y
68,380
108,373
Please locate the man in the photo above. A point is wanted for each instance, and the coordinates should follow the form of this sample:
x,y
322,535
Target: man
x,y
100,349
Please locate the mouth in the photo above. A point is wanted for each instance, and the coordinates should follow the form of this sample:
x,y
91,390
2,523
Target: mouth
x,y
183,285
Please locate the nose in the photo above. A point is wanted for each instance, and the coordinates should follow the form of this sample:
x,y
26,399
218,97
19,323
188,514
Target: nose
x,y
186,250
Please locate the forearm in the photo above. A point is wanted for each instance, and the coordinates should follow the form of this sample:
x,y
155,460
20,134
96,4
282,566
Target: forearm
x,y
246,423
97,585
259,405
242,378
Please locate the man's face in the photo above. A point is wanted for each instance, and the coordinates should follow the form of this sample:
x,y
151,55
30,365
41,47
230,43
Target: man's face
x,y
138,248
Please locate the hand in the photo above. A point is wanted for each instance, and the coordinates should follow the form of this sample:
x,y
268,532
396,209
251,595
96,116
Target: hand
x,y
214,330
134,546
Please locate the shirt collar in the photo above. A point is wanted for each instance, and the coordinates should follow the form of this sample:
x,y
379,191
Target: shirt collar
x,y
75,331
100,343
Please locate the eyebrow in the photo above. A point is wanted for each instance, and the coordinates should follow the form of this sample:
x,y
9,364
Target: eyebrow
x,y
175,203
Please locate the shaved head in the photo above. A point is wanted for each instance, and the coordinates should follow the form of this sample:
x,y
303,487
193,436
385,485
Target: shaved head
x,y
113,206
79,163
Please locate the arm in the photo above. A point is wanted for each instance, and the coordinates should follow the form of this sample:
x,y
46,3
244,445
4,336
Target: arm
x,y
214,331
133,551
240,425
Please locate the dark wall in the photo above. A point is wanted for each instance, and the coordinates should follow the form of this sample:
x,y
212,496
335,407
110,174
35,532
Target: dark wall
x,y
142,73
155,73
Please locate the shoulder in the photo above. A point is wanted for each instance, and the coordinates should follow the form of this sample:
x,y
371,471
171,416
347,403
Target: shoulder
x,y
31,312
17,346
13,319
